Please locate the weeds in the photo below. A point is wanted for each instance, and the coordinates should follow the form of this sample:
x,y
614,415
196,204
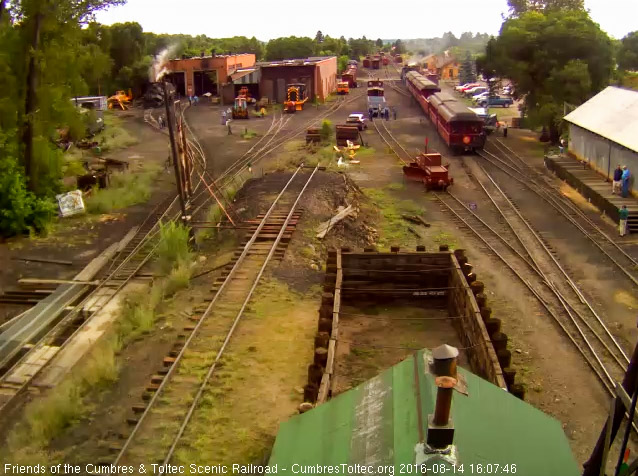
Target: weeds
x,y
125,189
172,249
392,229
248,134
326,130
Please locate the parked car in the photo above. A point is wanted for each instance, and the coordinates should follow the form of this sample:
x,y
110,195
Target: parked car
x,y
507,90
497,101
357,119
477,98
469,86
466,85
475,90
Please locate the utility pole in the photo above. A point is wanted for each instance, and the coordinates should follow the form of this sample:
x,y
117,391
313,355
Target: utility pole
x,y
170,119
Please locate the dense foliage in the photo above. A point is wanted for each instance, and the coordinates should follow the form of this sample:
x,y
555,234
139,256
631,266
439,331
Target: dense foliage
x,y
552,56
42,60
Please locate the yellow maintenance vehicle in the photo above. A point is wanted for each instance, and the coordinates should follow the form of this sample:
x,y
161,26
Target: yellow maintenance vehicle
x,y
296,97
120,99
240,108
343,87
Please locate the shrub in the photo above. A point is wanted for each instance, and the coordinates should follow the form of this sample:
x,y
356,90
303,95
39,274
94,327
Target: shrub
x,y
20,210
326,130
172,249
125,189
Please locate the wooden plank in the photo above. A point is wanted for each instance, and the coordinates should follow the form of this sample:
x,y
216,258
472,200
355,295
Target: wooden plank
x,y
56,281
325,227
43,260
323,389
332,348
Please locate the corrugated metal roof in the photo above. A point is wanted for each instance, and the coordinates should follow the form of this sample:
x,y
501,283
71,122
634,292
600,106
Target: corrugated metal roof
x,y
377,423
612,114
240,74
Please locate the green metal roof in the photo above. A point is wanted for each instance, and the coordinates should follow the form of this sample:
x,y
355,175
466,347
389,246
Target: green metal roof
x,y
377,424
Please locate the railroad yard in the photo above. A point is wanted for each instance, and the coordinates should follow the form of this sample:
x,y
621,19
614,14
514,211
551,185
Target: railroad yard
x,y
284,236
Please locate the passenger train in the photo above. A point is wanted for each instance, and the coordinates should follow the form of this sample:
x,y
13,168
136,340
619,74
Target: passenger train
x,y
458,126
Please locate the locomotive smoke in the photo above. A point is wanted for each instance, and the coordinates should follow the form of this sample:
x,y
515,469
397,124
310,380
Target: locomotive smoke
x,y
158,69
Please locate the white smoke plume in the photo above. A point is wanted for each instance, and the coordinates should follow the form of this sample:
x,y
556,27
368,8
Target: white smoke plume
x,y
160,64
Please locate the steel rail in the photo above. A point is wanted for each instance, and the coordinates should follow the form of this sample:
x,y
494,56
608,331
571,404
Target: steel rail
x,y
100,300
220,353
209,308
571,283
560,206
540,299
572,207
605,377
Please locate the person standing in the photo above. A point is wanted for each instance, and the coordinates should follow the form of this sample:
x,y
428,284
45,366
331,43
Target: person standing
x,y
223,118
394,112
561,146
505,129
615,185
623,214
625,181
230,132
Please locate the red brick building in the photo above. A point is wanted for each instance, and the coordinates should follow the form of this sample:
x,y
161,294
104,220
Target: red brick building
x,y
205,74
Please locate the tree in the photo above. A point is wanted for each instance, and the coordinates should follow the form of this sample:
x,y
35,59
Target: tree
x,y
628,52
379,42
319,37
342,63
289,47
399,47
519,7
552,57
466,73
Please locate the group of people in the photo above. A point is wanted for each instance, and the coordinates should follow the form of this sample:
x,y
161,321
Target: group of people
x,y
621,184
385,114
621,180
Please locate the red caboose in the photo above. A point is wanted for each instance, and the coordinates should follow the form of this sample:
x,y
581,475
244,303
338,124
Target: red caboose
x,y
427,168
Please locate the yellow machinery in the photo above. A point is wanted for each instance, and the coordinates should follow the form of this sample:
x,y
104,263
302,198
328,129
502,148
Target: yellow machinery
x,y
240,108
296,97
343,87
120,99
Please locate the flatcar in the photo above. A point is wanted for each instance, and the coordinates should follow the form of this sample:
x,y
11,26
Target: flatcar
x,y
458,126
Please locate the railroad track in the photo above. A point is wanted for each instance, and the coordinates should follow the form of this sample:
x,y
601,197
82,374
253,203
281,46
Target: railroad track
x,y
22,371
532,261
278,140
176,394
508,162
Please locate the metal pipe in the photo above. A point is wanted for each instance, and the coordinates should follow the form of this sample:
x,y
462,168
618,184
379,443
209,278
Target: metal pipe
x,y
443,400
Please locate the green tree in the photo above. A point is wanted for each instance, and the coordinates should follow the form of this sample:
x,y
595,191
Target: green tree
x,y
379,42
399,47
628,52
519,7
342,63
289,47
466,73
552,57
319,37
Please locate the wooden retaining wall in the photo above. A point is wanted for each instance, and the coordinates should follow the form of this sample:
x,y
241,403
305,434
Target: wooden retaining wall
x,y
471,329
442,279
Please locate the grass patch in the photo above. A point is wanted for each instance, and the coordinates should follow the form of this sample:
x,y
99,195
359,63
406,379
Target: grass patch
x,y
125,189
365,152
73,168
272,366
172,250
392,229
444,238
114,136
248,134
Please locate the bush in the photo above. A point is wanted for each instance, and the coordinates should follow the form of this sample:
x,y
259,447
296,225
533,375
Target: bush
x,y
172,250
20,210
326,130
125,189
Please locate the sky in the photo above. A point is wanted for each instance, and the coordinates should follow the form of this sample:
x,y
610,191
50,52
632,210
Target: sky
x,y
267,19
